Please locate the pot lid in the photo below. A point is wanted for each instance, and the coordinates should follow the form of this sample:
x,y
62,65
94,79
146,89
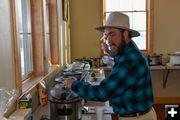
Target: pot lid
x,y
60,93
175,54
59,79
155,55
72,73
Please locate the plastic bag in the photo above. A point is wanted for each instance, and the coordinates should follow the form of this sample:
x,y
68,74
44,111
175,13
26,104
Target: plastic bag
x,y
7,97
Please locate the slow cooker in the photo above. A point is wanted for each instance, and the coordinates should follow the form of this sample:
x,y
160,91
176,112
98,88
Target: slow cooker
x,y
64,104
174,58
155,59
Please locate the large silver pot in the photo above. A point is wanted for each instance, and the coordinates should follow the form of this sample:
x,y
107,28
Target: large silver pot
x,y
60,110
64,104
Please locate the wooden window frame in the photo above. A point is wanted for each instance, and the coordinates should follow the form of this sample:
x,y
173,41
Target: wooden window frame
x,y
150,24
21,37
40,62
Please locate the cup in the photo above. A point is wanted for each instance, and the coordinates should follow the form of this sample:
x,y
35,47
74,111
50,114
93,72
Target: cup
x,y
99,113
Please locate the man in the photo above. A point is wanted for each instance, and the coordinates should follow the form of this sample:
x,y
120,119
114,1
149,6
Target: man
x,y
128,87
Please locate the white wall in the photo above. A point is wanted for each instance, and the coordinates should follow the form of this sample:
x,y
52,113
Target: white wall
x,y
7,69
166,26
84,38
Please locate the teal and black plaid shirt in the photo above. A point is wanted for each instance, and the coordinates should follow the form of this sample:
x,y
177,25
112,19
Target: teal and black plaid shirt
x,y
128,87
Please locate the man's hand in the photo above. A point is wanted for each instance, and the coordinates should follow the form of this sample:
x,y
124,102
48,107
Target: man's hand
x,y
68,83
108,60
104,47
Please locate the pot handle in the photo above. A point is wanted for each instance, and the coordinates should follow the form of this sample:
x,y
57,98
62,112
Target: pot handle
x,y
65,111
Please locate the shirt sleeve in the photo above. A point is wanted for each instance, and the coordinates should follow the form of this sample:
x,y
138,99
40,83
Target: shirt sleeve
x,y
121,78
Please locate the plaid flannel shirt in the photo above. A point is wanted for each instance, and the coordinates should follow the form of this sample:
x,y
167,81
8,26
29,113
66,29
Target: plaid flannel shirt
x,y
128,87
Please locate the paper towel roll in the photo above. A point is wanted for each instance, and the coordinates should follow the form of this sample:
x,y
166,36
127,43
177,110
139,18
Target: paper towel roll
x,y
99,113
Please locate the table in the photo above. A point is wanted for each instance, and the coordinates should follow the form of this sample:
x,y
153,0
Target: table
x,y
169,68
166,71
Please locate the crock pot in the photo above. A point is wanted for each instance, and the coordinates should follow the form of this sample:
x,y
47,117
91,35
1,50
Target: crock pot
x,y
65,110
64,104
155,59
174,58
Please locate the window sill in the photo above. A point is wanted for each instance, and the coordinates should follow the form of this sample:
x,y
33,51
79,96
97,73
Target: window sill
x,y
35,80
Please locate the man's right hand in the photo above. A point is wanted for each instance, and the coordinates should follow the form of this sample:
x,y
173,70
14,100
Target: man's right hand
x,y
68,82
105,47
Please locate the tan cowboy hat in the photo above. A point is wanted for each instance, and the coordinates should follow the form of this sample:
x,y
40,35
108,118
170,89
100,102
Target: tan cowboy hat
x,y
120,21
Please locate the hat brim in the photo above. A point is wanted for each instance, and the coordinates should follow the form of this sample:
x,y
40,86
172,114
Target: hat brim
x,y
133,33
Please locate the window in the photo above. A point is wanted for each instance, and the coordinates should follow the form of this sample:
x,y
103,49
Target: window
x,y
46,30
25,36
64,36
138,12
31,31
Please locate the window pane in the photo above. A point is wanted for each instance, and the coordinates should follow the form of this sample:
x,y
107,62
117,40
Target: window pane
x,y
22,54
26,53
47,47
46,26
19,15
107,14
26,16
125,5
139,5
137,20
118,5
136,10
141,40
25,36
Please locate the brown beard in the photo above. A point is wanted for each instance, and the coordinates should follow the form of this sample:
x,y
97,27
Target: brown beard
x,y
117,49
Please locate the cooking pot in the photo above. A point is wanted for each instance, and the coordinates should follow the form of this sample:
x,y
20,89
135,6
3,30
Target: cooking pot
x,y
64,104
59,92
65,110
85,61
76,74
96,62
155,59
59,79
174,58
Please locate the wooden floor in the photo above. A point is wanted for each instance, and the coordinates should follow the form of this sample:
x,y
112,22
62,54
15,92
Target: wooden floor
x,y
160,111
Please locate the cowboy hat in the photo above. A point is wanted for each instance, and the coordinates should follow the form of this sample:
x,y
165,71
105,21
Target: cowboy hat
x,y
120,21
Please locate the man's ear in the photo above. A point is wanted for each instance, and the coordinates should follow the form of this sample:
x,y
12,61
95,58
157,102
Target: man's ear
x,y
126,35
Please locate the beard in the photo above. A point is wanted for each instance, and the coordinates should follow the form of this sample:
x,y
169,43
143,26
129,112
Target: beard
x,y
114,50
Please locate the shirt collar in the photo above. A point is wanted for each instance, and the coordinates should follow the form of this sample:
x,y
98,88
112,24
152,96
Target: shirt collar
x,y
125,50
